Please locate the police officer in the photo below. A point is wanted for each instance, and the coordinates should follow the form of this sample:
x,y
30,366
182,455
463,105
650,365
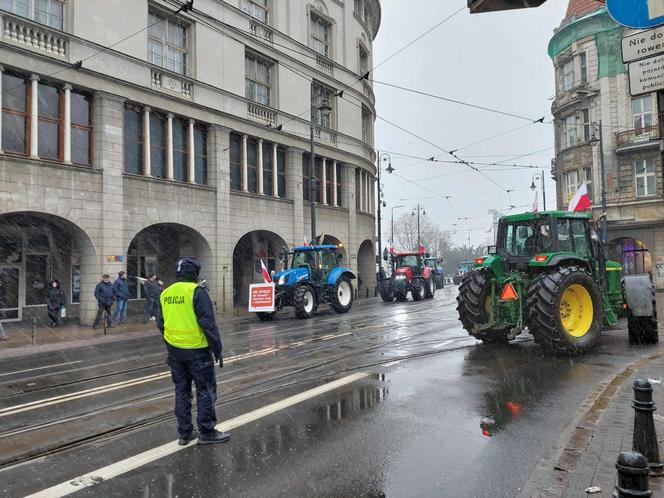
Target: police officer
x,y
186,320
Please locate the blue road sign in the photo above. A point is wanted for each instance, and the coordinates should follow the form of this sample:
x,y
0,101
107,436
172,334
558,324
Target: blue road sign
x,y
638,14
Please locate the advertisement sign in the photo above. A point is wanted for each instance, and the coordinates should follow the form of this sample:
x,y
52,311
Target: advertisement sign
x,y
261,298
637,14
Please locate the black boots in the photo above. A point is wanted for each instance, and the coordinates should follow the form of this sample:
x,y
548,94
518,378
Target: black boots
x,y
214,437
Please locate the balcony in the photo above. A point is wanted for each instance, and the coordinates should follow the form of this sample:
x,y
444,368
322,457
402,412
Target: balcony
x,y
165,81
34,36
261,114
572,96
324,65
638,139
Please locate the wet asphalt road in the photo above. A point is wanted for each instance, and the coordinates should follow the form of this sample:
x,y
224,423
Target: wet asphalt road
x,y
429,411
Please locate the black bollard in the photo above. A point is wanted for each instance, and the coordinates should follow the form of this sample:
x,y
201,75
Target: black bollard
x,y
645,437
632,476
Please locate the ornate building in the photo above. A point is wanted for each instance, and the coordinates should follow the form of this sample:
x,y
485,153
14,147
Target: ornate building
x,y
591,88
135,132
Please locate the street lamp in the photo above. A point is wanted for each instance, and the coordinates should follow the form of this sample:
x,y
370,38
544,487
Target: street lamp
x,y
539,176
384,157
597,131
420,209
325,109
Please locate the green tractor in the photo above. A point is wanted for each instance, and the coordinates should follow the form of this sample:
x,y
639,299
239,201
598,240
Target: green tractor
x,y
548,273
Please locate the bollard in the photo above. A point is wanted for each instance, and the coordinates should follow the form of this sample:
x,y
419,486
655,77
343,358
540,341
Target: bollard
x,y
645,437
632,476
34,330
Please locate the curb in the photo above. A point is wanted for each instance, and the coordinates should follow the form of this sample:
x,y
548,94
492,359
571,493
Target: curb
x,y
552,475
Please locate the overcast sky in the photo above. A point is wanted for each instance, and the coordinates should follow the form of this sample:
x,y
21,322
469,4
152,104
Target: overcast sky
x,y
496,60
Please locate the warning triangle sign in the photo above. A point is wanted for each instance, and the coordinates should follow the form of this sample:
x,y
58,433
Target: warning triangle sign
x,y
509,293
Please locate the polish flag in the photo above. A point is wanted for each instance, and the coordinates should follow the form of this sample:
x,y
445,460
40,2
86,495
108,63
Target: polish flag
x,y
266,274
581,200
535,204
422,249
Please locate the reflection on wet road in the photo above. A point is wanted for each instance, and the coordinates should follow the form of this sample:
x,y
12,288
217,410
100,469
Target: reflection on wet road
x,y
433,413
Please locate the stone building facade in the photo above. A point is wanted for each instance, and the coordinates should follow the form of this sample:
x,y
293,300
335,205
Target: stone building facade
x,y
135,132
592,87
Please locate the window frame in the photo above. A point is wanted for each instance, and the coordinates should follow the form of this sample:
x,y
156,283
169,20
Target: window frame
x,y
157,149
203,129
253,7
136,139
570,132
257,60
25,114
281,173
646,175
588,179
306,177
316,21
570,188
645,116
45,118
320,91
166,44
583,67
363,67
86,128
31,12
567,85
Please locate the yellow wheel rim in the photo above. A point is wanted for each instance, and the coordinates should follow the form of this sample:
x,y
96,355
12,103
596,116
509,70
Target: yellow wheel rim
x,y
576,310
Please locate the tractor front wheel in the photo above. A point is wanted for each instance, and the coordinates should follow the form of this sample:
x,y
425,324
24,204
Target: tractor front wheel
x,y
419,291
342,295
564,310
474,307
429,288
387,291
304,302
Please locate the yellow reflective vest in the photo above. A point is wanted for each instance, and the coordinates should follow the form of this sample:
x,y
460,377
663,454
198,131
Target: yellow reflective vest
x,y
181,329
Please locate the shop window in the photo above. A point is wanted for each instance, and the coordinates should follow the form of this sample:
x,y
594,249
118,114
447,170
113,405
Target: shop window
x,y
75,280
37,276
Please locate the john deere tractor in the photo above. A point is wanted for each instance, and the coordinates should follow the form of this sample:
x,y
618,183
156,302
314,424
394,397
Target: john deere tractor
x,y
548,273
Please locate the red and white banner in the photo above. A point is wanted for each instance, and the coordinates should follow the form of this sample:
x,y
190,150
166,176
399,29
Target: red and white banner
x,y
581,200
422,249
535,204
261,298
266,274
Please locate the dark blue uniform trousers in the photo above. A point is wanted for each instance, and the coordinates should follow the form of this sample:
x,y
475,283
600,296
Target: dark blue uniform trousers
x,y
199,369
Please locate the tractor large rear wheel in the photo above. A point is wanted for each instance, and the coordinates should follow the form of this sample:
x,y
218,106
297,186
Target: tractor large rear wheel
x,y
419,290
564,310
386,291
474,307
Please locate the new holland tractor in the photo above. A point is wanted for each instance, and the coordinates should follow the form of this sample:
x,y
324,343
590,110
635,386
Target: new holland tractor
x,y
409,274
548,273
312,276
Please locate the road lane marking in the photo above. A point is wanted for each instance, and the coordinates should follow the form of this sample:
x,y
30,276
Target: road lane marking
x,y
123,466
40,368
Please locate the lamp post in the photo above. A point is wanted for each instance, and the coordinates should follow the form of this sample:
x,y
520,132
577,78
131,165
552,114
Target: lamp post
x,y
325,109
419,209
597,130
385,157
533,187
392,233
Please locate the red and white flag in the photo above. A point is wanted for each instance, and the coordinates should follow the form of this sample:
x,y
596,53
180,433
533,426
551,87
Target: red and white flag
x,y
422,249
266,274
535,204
581,200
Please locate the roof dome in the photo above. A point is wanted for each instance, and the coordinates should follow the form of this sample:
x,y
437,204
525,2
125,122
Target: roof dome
x,y
577,8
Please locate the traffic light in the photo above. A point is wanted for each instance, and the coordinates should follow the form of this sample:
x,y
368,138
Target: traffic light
x,y
478,6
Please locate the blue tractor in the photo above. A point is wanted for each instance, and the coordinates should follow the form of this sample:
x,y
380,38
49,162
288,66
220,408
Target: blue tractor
x,y
312,276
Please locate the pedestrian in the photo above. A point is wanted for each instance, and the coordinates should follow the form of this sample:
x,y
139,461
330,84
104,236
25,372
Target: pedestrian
x,y
55,301
104,295
121,296
186,320
151,290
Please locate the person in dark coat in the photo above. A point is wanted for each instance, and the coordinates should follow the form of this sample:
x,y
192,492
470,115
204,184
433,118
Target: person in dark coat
x,y
104,296
121,296
55,300
151,291
186,320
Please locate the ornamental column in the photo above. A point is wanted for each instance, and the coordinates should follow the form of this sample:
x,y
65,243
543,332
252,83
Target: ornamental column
x,y
146,141
191,151
260,167
66,135
34,116
245,186
169,146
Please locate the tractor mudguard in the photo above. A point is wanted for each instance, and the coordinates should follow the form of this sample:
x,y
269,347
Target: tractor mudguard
x,y
555,259
337,273
292,277
638,291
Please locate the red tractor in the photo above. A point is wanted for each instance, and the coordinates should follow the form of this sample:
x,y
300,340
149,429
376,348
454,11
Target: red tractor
x,y
409,274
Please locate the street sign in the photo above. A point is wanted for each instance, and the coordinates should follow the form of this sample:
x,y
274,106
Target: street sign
x,y
261,298
637,14
646,76
643,44
477,6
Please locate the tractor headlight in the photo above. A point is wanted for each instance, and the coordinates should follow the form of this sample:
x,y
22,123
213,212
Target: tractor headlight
x,y
282,280
400,277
